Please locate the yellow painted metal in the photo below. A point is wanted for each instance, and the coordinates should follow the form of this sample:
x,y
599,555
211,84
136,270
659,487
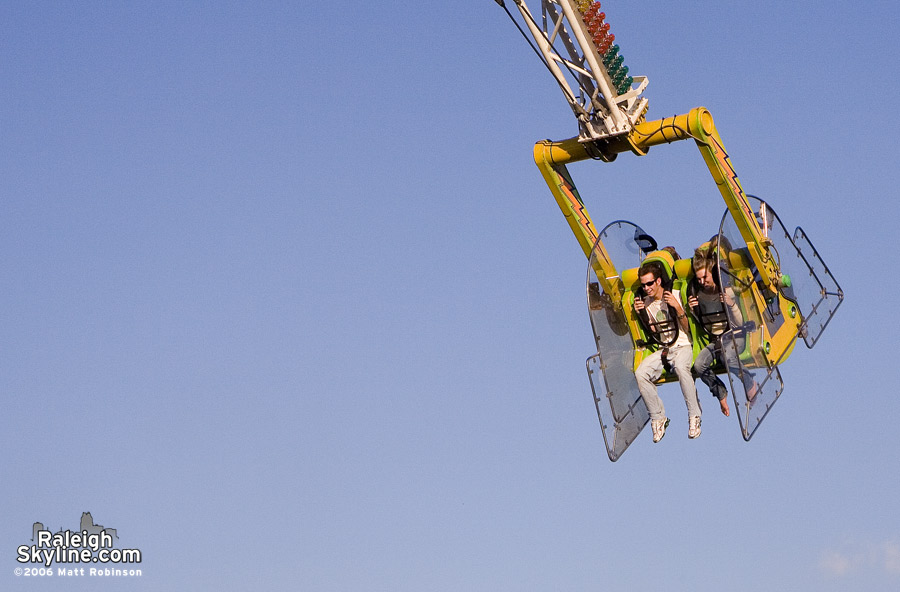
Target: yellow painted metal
x,y
548,155
551,158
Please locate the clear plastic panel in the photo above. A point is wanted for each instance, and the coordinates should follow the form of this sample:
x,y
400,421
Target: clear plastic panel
x,y
817,308
755,385
807,280
754,389
626,243
620,408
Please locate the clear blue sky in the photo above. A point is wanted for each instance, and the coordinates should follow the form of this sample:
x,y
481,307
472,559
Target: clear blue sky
x,y
286,301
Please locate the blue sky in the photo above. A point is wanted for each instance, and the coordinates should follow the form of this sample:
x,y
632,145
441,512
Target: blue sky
x,y
286,302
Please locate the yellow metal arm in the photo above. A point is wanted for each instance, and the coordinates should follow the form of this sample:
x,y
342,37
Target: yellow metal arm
x,y
552,157
698,124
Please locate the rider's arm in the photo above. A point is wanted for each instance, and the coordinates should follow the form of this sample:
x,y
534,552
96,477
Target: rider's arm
x,y
734,311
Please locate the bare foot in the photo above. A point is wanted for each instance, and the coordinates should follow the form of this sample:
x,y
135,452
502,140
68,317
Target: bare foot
x,y
723,405
751,393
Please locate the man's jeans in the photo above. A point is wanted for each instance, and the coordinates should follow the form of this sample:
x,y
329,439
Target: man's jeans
x,y
650,370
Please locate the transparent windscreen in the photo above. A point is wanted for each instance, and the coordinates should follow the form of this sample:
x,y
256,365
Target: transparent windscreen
x,y
806,279
755,385
620,408
754,388
819,307
625,243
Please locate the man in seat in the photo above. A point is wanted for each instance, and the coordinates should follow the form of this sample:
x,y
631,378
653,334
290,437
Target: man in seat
x,y
665,319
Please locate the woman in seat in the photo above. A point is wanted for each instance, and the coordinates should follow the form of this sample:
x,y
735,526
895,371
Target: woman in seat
x,y
718,313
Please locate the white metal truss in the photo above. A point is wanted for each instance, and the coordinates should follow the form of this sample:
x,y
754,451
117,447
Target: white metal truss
x,y
571,56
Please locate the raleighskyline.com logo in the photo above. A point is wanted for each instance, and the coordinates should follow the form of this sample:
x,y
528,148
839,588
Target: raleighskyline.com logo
x,y
92,544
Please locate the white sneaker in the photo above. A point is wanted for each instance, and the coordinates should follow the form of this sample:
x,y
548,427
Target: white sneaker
x,y
694,427
659,428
